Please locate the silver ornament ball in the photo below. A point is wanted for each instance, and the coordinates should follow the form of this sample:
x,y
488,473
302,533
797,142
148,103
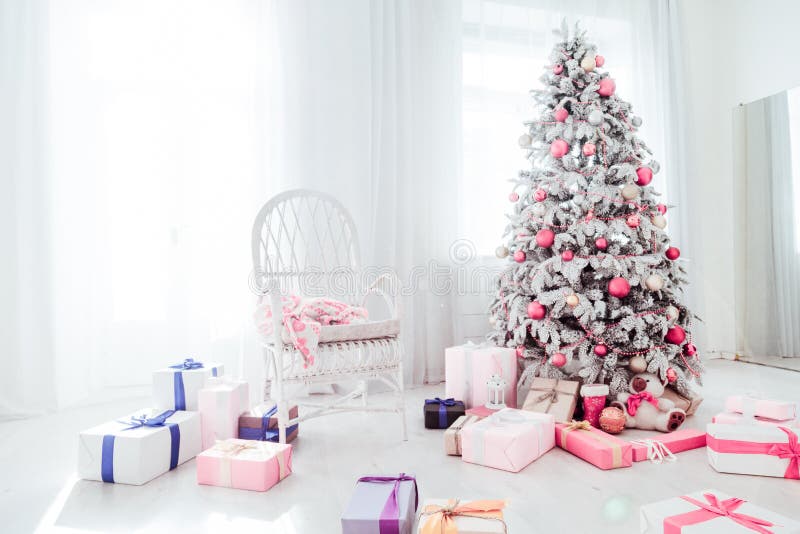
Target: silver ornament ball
x,y
672,313
588,63
501,252
636,121
637,364
595,117
630,191
654,282
525,140
539,209
660,221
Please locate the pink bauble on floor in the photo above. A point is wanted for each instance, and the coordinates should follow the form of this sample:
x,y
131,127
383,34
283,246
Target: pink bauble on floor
x,y
607,87
673,253
589,149
513,197
644,175
559,148
558,359
600,350
567,255
599,60
558,69
539,195
601,243
675,335
536,310
619,287
561,114
662,209
545,238
519,256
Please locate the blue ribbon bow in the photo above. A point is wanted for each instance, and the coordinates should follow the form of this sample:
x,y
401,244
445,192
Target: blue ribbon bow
x,y
107,454
178,388
187,364
443,404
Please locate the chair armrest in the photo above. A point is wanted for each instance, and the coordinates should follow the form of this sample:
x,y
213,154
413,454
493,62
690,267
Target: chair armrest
x,y
387,285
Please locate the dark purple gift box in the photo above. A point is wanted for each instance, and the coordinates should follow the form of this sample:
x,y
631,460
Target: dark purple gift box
x,y
441,413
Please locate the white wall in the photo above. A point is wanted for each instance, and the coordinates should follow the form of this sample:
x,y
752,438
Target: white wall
x,y
735,51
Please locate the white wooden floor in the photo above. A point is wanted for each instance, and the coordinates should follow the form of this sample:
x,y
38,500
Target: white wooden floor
x,y
559,493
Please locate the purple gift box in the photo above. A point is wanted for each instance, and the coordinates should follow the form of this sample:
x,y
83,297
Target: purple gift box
x,y
382,505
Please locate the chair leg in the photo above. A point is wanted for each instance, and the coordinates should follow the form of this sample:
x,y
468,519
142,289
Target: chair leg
x,y
363,385
277,390
401,399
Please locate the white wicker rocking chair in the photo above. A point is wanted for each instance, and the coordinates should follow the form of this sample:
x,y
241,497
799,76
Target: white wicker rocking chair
x,y
301,239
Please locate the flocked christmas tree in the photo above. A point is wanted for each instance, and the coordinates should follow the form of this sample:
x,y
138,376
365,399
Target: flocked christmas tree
x,y
593,286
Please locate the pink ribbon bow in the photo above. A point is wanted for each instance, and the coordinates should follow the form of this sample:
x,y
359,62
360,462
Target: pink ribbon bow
x,y
789,450
636,399
713,508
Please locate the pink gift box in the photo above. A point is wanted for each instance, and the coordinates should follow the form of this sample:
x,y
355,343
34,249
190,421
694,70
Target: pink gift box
x,y
593,445
469,366
771,409
244,464
509,439
678,441
220,403
732,418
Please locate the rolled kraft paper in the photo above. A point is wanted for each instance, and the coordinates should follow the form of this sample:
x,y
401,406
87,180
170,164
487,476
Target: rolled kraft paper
x,y
595,446
687,404
771,409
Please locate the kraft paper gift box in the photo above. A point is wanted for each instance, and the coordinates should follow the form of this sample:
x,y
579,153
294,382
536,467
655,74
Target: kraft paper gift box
x,y
469,366
593,445
452,436
687,404
751,407
221,403
556,397
138,448
261,423
710,512
666,444
244,464
441,413
733,418
382,504
466,517
176,387
771,451
509,439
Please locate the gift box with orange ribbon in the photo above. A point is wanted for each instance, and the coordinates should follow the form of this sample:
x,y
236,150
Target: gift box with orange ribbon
x,y
442,516
593,445
711,511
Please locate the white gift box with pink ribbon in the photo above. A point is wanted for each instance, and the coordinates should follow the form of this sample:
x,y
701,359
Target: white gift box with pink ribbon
x,y
771,451
468,367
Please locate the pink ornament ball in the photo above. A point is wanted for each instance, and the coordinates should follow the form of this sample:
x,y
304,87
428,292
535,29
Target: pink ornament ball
x,y
589,149
607,87
599,60
644,175
520,352
600,350
690,349
601,243
567,255
561,114
672,376
519,256
662,209
632,221
559,148
558,69
545,238
536,311
513,197
675,335
539,195
619,287
673,253
558,359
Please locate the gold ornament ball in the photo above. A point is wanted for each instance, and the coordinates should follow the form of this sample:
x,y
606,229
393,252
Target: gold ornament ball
x,y
660,221
572,300
501,252
654,282
630,191
637,365
525,140
588,64
671,313
612,420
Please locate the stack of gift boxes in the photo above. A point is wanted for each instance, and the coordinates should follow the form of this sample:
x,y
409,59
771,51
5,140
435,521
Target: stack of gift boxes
x,y
199,412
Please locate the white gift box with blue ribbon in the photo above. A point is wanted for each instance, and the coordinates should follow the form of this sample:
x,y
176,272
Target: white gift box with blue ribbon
x,y
138,448
176,387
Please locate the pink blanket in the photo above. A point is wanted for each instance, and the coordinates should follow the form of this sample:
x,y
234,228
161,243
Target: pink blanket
x,y
303,319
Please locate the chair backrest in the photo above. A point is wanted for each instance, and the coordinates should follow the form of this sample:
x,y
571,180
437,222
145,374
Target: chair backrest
x,y
303,239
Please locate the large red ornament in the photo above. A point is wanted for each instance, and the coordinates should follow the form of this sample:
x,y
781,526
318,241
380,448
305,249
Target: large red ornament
x,y
675,335
539,195
599,60
519,256
536,310
690,349
600,350
619,287
607,87
672,376
567,255
644,175
589,149
633,220
561,114
545,238
601,243
673,253
559,148
662,209
558,359
513,197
